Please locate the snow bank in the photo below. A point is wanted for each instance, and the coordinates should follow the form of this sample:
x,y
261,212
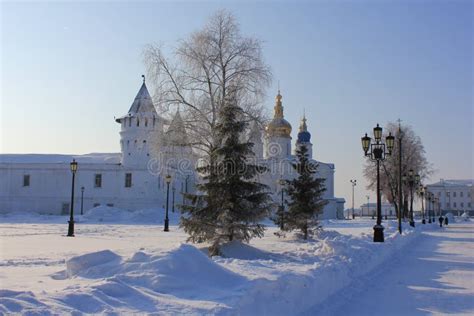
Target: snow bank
x,y
30,217
137,284
239,250
96,215
96,264
465,217
329,265
105,214
21,302
273,276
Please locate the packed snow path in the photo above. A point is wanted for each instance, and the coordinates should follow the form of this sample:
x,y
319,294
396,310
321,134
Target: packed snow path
x,y
435,275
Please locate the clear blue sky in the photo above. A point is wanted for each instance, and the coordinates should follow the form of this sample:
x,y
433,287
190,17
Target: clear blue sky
x,y
67,68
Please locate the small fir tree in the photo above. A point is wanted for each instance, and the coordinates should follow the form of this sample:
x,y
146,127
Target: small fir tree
x,y
231,203
305,196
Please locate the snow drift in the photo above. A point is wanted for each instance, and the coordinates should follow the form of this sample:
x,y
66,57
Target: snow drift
x,y
286,276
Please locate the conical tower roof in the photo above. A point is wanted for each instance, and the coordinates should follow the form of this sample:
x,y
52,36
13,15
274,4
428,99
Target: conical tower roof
x,y
176,133
143,101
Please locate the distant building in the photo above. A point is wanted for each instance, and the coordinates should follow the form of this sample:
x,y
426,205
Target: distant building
x,y
455,196
370,209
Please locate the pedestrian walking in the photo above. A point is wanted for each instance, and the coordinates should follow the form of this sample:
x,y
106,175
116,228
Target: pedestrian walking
x,y
440,219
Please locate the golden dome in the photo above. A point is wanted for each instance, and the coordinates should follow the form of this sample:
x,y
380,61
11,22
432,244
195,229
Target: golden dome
x,y
278,126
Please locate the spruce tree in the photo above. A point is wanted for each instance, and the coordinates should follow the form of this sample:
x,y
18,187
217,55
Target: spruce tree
x,y
305,195
231,203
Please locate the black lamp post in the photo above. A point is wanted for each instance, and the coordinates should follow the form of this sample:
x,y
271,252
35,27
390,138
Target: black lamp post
x,y
82,200
377,152
282,183
421,192
400,188
70,231
411,180
368,206
167,220
428,197
172,205
354,183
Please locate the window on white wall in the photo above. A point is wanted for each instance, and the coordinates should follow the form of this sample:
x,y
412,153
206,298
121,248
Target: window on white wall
x,y
454,194
128,180
98,180
26,180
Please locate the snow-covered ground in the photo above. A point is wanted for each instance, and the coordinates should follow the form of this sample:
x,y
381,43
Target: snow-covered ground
x,y
124,263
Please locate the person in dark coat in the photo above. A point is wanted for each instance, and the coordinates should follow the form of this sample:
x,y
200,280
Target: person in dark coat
x,y
440,219
446,221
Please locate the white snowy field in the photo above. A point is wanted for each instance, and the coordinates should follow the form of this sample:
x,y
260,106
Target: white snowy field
x,y
116,268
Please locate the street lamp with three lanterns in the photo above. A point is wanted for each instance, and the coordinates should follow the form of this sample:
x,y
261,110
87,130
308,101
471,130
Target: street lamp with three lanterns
x,y
377,152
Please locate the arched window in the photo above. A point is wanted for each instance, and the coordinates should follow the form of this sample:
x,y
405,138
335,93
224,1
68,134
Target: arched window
x,y
154,119
146,122
138,121
128,143
129,122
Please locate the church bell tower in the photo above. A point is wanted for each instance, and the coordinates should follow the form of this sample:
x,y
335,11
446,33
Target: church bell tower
x,y
278,134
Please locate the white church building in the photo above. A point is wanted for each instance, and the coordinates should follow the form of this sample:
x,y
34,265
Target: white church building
x,y
151,148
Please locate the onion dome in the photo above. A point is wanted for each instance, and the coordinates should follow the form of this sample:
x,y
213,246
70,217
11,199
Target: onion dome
x,y
303,135
278,126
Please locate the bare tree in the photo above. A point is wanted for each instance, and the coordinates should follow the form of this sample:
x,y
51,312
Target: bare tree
x,y
413,157
203,68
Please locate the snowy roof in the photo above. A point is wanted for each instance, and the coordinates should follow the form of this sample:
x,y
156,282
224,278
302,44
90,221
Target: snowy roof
x,y
107,158
142,103
453,183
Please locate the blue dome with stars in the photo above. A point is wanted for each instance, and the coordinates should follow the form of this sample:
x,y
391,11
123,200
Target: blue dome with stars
x,y
303,135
